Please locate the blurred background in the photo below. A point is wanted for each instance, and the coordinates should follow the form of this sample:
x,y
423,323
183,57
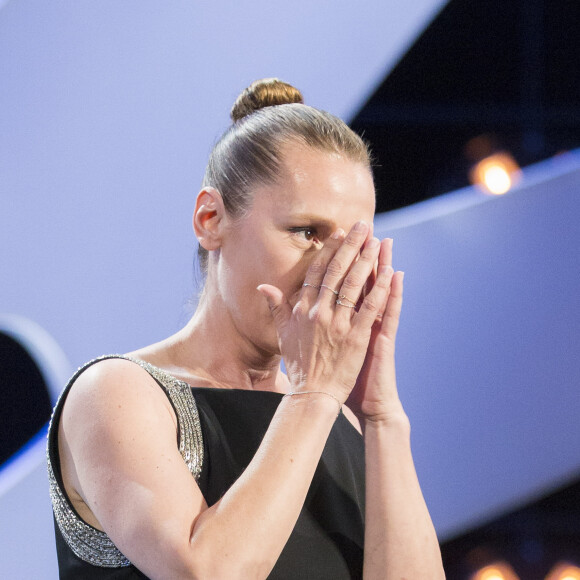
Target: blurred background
x,y
107,114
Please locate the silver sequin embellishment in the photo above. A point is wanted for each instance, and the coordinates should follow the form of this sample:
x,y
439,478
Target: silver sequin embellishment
x,y
92,545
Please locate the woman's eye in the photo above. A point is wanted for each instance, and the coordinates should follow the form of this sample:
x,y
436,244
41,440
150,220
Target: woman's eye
x,y
307,233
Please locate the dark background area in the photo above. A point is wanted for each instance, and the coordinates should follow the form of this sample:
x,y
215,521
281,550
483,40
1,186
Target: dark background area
x,y
532,539
25,405
506,70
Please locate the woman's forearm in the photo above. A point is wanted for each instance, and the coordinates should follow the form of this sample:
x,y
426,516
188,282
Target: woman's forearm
x,y
400,540
243,534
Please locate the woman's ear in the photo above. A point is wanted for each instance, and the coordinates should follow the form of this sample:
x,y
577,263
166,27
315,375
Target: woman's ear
x,y
208,218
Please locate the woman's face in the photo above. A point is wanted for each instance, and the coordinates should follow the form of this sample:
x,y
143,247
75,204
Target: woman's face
x,y
286,226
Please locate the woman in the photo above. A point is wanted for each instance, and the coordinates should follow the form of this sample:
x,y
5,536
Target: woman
x,y
233,469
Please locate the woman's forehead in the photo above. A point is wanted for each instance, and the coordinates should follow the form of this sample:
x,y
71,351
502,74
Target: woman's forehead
x,y
314,181
317,206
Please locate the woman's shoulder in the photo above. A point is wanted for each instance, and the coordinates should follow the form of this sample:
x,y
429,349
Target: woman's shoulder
x,y
111,374
123,394
109,388
134,370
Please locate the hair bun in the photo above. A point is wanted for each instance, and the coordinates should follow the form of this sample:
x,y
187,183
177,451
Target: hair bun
x,y
264,93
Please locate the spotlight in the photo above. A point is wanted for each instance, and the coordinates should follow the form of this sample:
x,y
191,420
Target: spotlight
x,y
496,174
564,571
496,571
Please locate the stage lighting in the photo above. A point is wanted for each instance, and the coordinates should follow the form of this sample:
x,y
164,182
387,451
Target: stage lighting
x,y
496,571
564,571
496,174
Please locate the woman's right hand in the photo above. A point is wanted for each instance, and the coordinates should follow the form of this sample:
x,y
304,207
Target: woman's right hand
x,y
324,342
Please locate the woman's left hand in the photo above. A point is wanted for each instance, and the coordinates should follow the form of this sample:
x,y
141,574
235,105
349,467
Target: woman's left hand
x,y
375,396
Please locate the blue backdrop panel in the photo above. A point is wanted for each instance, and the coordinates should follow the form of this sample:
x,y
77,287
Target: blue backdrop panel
x,y
488,359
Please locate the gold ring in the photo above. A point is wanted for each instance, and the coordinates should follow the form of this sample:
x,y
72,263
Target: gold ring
x,y
345,297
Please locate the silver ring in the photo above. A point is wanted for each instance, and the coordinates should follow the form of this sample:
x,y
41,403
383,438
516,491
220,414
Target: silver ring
x,y
311,285
339,302
329,288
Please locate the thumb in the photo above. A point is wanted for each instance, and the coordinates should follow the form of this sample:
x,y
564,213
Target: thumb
x,y
279,306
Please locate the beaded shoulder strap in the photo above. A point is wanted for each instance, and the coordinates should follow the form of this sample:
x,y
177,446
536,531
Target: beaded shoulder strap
x,y
86,542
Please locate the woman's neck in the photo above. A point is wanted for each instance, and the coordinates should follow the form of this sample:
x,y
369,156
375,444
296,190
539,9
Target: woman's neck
x,y
209,351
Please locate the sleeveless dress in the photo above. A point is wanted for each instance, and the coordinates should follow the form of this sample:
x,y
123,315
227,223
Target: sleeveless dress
x,y
219,432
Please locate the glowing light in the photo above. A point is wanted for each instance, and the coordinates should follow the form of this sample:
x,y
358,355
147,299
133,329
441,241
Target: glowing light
x,y
496,174
493,574
497,179
496,571
564,571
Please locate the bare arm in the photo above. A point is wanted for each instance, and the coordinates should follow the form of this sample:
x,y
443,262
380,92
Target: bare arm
x,y
142,494
400,541
119,434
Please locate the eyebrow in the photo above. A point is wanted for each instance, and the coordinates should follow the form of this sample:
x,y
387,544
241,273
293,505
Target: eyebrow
x,y
313,219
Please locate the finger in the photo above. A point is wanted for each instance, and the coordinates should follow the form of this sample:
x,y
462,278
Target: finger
x,y
368,286
279,306
315,274
385,259
373,304
357,276
386,255
392,313
342,260
370,235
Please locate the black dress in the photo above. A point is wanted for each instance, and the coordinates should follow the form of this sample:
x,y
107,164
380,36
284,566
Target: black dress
x,y
220,431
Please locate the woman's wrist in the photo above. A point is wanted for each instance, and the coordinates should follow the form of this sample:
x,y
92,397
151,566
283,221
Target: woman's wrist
x,y
313,392
321,403
396,420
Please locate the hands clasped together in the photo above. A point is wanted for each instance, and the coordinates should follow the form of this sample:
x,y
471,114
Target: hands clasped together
x,y
339,338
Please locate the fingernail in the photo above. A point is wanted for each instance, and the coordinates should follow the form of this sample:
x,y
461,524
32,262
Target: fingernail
x,y
386,269
337,234
360,226
372,243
